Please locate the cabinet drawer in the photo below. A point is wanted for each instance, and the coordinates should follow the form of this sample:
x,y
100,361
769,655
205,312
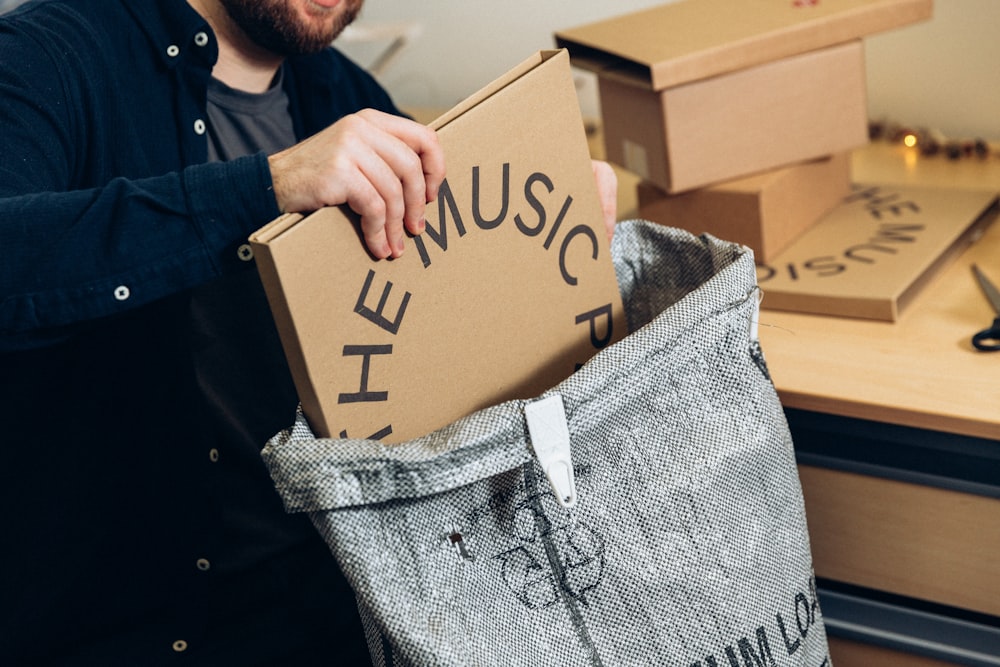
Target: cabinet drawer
x,y
904,538
846,653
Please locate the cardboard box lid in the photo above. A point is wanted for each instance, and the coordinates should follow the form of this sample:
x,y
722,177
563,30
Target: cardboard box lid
x,y
798,108
509,289
689,40
870,256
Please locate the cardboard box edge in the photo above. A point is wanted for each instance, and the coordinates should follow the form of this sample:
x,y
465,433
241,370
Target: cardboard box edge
x,y
605,60
489,90
275,228
270,278
986,218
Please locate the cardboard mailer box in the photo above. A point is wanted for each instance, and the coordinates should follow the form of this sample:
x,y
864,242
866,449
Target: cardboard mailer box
x,y
510,288
701,91
873,253
764,212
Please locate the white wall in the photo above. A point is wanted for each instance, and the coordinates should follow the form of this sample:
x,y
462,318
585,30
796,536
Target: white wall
x,y
943,74
465,44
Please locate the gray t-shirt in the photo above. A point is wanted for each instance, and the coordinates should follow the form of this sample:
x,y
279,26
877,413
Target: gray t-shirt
x,y
241,123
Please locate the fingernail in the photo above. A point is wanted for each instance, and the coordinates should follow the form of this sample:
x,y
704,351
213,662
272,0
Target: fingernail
x,y
421,224
385,250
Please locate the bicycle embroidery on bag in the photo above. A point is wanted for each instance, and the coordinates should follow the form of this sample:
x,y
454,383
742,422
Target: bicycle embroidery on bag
x,y
558,555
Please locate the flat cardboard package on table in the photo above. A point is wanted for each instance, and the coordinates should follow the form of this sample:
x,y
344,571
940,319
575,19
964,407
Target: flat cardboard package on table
x,y
872,254
696,92
510,288
764,212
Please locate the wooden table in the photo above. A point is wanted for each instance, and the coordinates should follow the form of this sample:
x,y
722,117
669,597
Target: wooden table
x,y
921,370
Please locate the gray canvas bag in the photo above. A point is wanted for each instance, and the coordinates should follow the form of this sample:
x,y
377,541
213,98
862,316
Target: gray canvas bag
x,y
645,511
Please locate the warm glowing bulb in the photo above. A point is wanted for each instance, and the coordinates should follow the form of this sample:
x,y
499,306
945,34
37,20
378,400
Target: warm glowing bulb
x,y
910,140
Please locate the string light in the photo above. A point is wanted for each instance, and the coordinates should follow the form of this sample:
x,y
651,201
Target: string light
x,y
929,142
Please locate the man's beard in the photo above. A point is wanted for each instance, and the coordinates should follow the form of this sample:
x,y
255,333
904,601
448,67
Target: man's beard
x,y
274,26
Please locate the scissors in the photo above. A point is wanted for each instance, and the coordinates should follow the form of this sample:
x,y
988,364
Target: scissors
x,y
988,339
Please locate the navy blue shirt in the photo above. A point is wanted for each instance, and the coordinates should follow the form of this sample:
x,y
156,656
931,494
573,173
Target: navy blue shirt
x,y
139,530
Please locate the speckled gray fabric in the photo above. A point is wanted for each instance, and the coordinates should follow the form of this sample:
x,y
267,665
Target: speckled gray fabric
x,y
687,545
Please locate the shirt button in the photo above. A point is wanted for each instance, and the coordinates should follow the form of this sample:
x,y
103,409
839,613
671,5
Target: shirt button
x,y
203,564
201,39
122,293
199,126
173,50
180,646
213,455
245,252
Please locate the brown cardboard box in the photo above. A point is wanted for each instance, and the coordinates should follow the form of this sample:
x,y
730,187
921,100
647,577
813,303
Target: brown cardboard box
x,y
689,136
509,289
871,255
701,91
765,212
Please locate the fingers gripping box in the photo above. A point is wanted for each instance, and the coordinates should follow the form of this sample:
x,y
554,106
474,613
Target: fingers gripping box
x,y
510,288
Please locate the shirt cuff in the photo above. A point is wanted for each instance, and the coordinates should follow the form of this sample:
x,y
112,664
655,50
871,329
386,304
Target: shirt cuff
x,y
228,202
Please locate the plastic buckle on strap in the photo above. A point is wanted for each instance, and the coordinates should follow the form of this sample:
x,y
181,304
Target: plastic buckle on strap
x,y
550,439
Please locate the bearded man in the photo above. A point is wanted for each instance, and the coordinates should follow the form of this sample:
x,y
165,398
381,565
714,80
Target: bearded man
x,y
140,370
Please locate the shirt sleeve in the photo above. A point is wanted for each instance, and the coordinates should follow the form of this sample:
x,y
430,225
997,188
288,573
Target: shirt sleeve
x,y
71,253
77,255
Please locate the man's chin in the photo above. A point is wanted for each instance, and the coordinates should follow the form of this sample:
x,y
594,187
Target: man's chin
x,y
328,21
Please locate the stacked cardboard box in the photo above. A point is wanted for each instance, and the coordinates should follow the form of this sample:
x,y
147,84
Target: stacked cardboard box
x,y
738,116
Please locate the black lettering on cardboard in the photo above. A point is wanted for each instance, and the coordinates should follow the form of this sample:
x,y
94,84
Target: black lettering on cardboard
x,y
535,203
363,395
790,646
765,273
477,215
558,222
852,252
377,435
573,233
893,209
824,266
895,233
873,195
750,657
597,340
878,203
376,316
440,235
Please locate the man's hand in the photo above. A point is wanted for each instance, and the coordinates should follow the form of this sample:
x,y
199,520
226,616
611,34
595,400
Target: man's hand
x,y
607,191
384,167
